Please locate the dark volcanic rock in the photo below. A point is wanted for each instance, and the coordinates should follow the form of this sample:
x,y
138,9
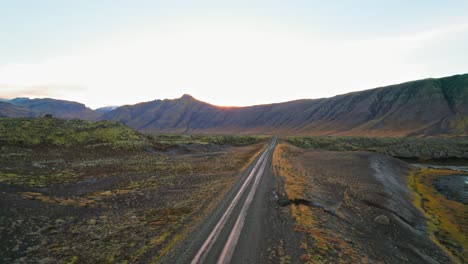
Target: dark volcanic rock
x,y
382,220
283,201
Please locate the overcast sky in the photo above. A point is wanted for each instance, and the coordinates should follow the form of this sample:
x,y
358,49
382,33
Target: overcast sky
x,y
112,52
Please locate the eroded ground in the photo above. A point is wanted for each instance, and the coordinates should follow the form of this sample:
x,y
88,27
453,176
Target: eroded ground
x,y
354,207
101,203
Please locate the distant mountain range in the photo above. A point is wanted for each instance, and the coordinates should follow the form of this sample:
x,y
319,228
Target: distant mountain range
x,y
38,107
10,110
428,107
105,109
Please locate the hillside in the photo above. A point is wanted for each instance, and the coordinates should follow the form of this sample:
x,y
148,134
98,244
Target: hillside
x,y
10,110
57,108
424,107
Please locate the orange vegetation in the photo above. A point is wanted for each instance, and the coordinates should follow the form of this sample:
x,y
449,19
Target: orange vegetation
x,y
319,244
447,219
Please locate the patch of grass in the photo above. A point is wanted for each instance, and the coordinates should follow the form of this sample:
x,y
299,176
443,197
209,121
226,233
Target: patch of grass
x,y
408,147
59,132
73,260
447,222
78,201
460,124
166,141
33,180
48,131
294,178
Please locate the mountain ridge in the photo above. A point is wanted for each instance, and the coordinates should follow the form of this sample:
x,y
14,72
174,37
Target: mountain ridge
x,y
58,108
423,107
428,107
10,110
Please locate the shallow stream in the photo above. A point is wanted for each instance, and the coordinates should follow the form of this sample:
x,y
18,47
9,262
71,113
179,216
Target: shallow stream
x,y
454,187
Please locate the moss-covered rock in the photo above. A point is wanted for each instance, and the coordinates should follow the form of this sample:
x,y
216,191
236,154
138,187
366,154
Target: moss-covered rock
x,y
59,132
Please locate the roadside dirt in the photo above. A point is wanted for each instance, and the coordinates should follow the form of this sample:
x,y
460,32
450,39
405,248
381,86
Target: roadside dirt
x,y
352,207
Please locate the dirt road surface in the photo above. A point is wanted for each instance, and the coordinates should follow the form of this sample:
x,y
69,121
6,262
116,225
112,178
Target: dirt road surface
x,y
245,226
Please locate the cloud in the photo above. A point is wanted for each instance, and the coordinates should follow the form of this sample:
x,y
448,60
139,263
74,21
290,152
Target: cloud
x,y
13,91
417,38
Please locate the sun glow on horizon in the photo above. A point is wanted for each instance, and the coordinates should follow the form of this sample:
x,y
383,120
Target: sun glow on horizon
x,y
232,64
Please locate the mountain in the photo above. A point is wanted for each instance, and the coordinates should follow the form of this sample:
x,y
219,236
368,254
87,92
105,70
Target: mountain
x,y
428,107
10,110
425,107
57,108
105,109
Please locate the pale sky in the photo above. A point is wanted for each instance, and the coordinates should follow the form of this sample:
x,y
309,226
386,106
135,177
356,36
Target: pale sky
x,y
231,53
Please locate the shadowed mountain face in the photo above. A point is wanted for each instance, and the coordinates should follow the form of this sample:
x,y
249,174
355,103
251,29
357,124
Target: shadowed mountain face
x,y
57,108
10,110
424,107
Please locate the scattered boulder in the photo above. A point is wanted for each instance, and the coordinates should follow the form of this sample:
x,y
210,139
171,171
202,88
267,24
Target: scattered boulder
x,y
283,201
382,220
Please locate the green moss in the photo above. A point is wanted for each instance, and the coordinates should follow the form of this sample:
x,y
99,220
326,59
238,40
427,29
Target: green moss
x,y
66,133
407,147
58,132
73,260
172,140
459,125
38,180
444,222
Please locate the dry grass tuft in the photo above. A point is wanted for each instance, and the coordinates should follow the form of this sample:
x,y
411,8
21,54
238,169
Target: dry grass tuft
x,y
319,245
